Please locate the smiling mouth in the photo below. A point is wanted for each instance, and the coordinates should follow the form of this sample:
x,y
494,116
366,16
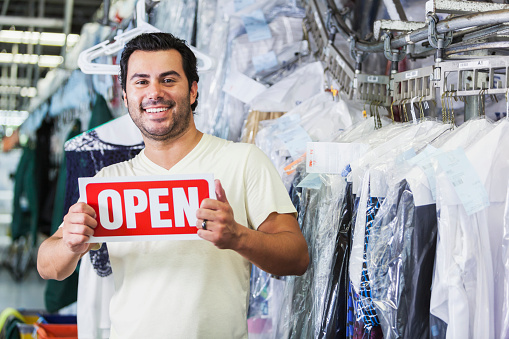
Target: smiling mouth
x,y
156,110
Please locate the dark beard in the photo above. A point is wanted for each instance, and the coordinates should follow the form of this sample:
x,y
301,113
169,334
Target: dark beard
x,y
181,115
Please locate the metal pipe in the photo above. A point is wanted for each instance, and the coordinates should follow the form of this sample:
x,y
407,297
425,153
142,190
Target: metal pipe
x,y
28,21
448,25
69,5
5,7
474,47
30,47
38,48
106,12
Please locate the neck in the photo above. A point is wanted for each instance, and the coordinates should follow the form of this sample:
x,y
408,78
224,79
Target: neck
x,y
169,152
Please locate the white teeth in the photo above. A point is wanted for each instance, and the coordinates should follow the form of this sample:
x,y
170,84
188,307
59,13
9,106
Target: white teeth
x,y
156,110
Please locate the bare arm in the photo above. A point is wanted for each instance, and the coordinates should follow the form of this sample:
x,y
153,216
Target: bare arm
x,y
59,254
277,247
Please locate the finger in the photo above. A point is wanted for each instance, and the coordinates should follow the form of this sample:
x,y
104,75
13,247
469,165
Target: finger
x,y
205,214
79,230
220,193
80,219
77,242
206,235
81,207
203,224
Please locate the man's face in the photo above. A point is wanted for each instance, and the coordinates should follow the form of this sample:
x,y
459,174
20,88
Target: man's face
x,y
157,94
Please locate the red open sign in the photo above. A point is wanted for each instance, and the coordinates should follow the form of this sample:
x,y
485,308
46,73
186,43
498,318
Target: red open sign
x,y
146,208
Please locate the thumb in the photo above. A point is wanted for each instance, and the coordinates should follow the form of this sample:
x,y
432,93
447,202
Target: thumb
x,y
220,193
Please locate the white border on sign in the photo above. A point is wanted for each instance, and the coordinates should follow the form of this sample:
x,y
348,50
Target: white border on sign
x,y
98,240
83,182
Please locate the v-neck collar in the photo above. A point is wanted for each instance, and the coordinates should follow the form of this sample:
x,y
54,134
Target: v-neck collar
x,y
195,152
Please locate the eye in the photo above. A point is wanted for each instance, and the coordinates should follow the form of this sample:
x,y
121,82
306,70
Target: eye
x,y
168,80
141,82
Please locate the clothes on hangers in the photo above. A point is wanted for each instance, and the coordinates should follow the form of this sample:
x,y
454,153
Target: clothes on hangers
x,y
470,242
86,154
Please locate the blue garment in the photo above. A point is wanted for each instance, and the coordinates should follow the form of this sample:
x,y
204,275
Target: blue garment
x,y
365,306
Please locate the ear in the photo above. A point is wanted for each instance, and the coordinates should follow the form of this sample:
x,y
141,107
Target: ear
x,y
125,98
193,93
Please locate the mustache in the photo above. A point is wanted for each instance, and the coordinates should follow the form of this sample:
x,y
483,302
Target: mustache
x,y
170,103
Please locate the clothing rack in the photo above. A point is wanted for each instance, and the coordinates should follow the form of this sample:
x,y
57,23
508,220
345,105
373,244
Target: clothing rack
x,y
460,75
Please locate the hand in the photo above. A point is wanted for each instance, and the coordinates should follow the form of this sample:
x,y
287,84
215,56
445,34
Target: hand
x,y
222,230
79,224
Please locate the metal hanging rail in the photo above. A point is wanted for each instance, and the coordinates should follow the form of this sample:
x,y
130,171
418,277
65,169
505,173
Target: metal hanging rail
x,y
336,63
448,37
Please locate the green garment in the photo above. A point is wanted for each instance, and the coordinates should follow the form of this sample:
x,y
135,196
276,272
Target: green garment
x,y
25,212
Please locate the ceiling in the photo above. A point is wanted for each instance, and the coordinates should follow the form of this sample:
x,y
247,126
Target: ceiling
x,y
25,74
83,10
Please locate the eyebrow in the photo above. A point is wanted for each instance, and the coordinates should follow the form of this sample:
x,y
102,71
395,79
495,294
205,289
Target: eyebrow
x,y
162,75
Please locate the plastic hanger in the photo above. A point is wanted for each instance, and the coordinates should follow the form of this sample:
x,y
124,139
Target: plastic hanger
x,y
86,57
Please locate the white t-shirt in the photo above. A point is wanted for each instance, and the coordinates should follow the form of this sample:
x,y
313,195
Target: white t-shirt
x,y
191,289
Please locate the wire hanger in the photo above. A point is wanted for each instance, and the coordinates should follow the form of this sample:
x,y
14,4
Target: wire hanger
x,y
404,101
110,48
451,117
392,111
444,107
421,109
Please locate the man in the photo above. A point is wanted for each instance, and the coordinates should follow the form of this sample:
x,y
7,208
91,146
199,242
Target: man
x,y
185,289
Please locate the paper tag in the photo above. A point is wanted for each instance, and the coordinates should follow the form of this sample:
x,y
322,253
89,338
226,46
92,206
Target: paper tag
x,y
332,157
241,4
265,61
465,180
295,140
312,181
242,87
256,26
424,161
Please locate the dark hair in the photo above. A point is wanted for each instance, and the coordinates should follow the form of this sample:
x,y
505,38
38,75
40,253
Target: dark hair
x,y
153,42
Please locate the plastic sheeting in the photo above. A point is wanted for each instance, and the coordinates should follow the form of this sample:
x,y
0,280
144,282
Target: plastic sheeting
x,y
222,34
400,263
318,118
504,329
469,276
176,17
309,299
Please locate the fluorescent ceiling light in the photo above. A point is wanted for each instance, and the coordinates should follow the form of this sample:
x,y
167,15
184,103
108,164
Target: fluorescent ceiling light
x,y
42,60
12,118
18,90
44,38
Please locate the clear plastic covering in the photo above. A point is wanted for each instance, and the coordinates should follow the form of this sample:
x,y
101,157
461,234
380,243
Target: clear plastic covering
x,y
504,328
212,39
265,301
309,308
292,90
461,271
176,17
469,280
400,263
222,34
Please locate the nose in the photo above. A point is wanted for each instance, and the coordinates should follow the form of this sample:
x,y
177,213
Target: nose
x,y
154,90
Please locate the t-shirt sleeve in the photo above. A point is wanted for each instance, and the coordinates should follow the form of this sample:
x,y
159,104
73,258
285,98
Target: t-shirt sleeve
x,y
265,191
